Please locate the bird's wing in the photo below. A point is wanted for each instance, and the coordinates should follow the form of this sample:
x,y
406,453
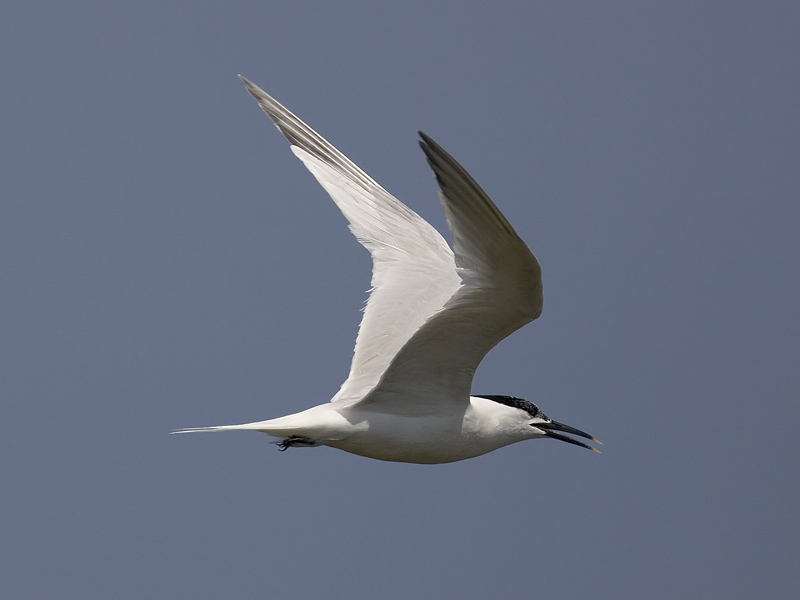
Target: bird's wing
x,y
413,273
501,291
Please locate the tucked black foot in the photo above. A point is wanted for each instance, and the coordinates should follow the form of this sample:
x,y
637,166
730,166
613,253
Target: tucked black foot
x,y
295,440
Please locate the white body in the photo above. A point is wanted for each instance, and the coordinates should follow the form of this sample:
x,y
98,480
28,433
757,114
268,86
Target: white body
x,y
432,315
434,438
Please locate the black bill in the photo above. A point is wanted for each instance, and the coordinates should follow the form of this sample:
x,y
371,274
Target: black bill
x,y
550,428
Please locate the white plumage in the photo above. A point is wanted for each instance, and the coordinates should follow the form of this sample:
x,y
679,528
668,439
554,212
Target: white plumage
x,y
432,315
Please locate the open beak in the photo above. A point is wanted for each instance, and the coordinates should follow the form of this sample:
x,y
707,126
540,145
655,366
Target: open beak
x,y
550,428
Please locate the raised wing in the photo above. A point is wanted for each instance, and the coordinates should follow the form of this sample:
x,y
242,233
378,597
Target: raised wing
x,y
413,273
501,292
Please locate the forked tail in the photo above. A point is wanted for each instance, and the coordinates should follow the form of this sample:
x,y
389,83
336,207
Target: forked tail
x,y
247,426
320,422
282,427
277,427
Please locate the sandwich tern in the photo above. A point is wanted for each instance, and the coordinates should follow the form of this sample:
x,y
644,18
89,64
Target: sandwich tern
x,y
432,315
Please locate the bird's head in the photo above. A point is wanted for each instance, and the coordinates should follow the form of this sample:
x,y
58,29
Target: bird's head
x,y
544,426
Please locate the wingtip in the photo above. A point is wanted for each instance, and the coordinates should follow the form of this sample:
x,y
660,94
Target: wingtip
x,y
274,109
426,140
251,87
428,146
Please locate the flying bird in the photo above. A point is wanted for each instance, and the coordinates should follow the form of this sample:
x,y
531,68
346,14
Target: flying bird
x,y
432,315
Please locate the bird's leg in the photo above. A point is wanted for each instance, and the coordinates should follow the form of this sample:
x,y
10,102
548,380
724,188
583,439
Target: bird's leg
x,y
295,440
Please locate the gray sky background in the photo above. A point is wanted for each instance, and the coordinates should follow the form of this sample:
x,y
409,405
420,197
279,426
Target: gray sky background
x,y
166,262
